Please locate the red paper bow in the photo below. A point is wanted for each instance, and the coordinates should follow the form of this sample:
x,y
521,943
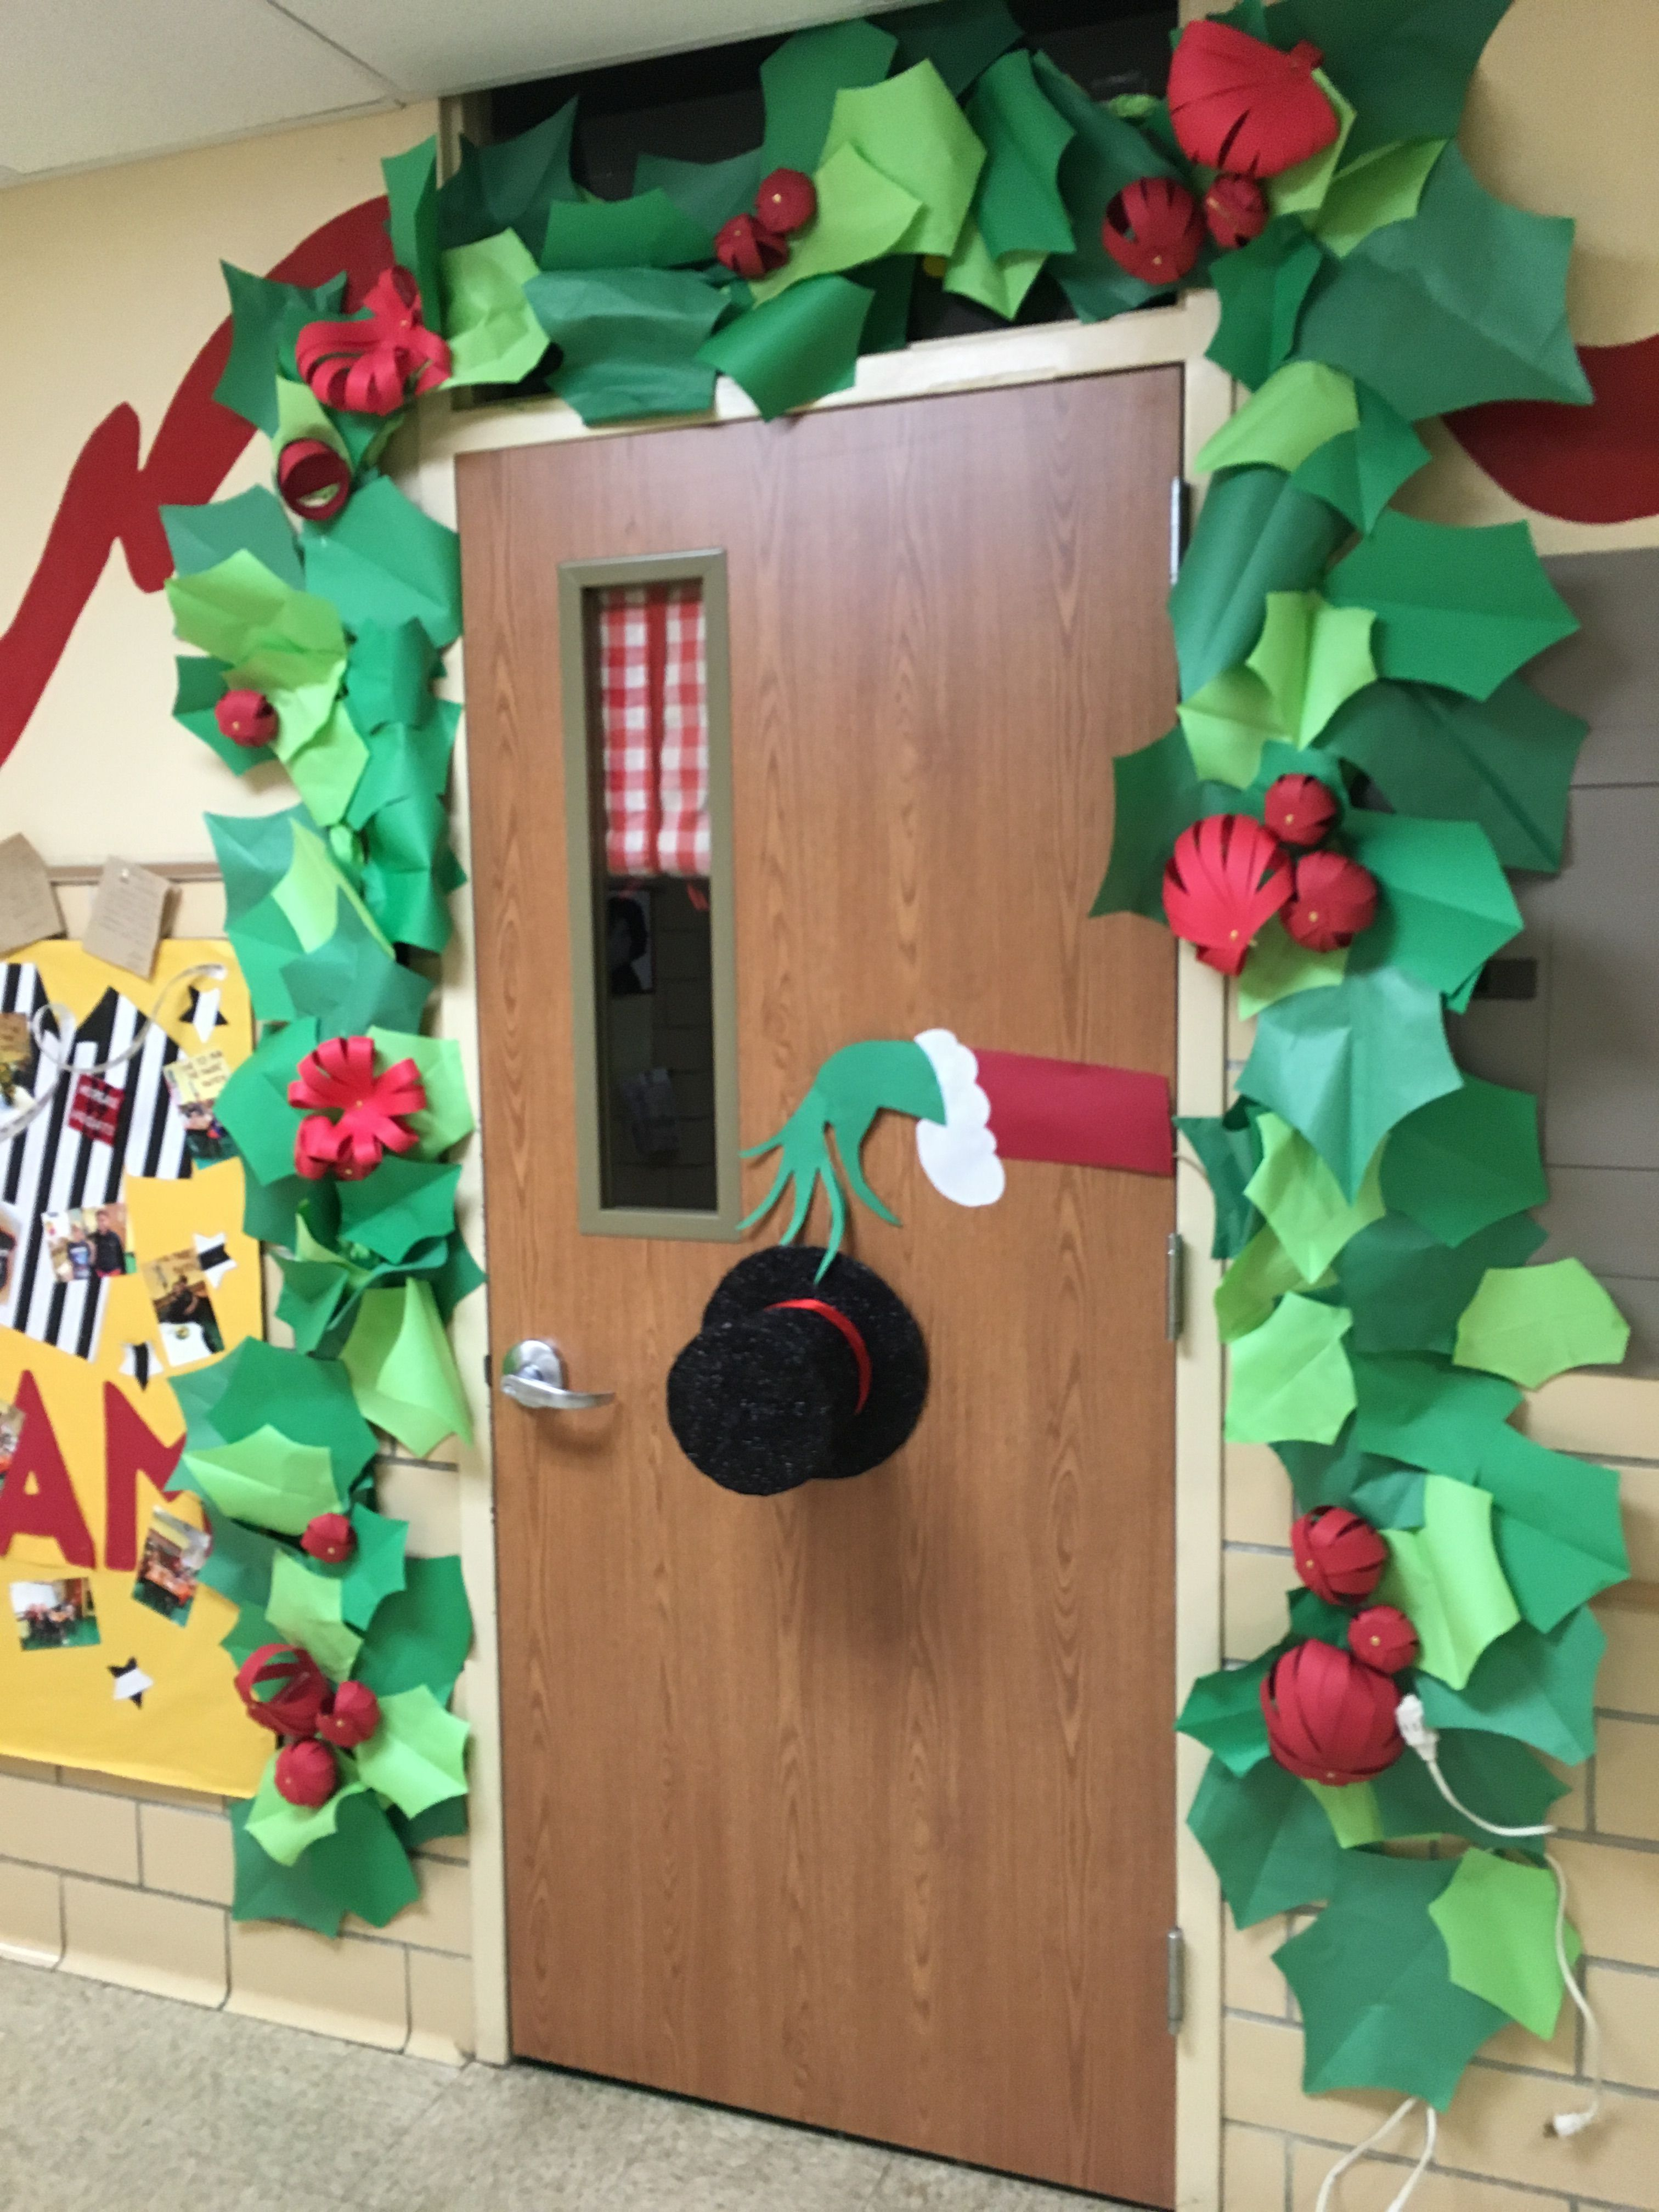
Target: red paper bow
x,y
1335,899
367,366
339,1077
1155,229
329,1537
352,1716
314,480
1299,809
1235,209
246,718
1337,1554
1226,877
748,247
1328,1718
306,1773
787,201
295,1685
1382,1636
1237,104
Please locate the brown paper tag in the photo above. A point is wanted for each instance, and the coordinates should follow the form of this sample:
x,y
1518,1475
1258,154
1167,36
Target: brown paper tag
x,y
127,912
28,905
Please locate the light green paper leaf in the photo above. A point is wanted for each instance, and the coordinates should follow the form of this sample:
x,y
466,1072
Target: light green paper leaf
x,y
1302,190
911,129
1226,726
1291,1377
1530,1323
1446,1579
417,1755
1296,410
1382,186
1498,1921
494,334
284,1831
1351,1811
1001,286
1277,967
1302,1201
1311,657
1255,1283
1446,907
1359,472
447,1116
862,215
305,1608
402,1370
267,1479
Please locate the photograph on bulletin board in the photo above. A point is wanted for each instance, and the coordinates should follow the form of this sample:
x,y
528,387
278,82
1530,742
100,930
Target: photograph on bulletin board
x,y
123,1264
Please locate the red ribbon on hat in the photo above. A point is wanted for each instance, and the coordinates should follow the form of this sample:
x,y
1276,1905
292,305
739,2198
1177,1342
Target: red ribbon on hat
x,y
849,1329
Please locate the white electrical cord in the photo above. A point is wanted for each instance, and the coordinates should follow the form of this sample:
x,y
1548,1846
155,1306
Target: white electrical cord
x,y
1426,1742
56,1050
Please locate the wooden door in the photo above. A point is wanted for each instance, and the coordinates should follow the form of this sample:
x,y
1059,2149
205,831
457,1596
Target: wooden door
x,y
854,1806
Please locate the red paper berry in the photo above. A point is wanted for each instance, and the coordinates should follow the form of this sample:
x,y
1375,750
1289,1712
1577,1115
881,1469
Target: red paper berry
x,y
787,201
1328,1718
1236,103
306,1773
1338,1555
1155,229
1382,1638
352,1716
329,1537
315,481
1299,809
1236,210
1226,877
283,1688
1335,898
246,718
370,367
748,248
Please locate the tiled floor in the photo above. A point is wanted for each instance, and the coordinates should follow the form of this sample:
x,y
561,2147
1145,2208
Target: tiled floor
x,y
136,2103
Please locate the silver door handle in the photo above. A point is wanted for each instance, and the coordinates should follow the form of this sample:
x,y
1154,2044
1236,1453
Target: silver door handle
x,y
533,1374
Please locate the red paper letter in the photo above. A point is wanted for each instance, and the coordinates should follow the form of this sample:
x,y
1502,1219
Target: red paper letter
x,y
129,1450
37,1497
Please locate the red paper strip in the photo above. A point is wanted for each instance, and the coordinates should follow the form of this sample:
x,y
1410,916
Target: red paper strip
x,y
1080,1115
1596,463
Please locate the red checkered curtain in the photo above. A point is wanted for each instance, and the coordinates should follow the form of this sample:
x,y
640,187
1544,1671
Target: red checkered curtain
x,y
653,702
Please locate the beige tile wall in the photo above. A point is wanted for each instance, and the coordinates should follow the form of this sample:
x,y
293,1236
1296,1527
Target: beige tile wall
x,y
1494,2156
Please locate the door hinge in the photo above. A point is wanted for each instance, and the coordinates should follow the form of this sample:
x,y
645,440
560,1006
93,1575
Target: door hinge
x,y
1175,1289
490,1371
1175,1989
1180,509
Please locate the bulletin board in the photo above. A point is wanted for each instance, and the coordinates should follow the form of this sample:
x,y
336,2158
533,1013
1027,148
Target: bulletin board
x,y
123,1264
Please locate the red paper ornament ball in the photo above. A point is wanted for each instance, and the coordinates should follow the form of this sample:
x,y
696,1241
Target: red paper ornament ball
x,y
1299,809
1236,103
246,718
353,1716
1236,211
1338,1555
1328,1718
1155,229
283,1688
786,201
1382,1638
306,1772
748,248
314,480
1334,899
1226,877
329,1537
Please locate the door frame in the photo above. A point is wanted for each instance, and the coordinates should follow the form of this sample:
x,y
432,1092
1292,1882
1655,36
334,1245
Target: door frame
x,y
1175,336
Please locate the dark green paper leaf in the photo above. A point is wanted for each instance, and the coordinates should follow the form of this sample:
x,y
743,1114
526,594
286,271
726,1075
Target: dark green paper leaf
x,y
1418,1408
1539,1687
1255,534
628,339
1263,288
796,347
1156,795
1559,1532
1406,1290
1223,1711
363,1868
1465,1160
420,1635
1270,1843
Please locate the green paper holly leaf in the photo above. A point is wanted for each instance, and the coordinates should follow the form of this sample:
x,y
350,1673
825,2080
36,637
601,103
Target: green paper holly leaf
x,y
1406,1290
354,982
1494,1775
1256,534
239,1565
1314,1621
1291,1377
1270,1845
1229,1152
1537,1687
1263,288
282,1831
417,1755
1379,2007
1156,795
1531,1323
260,1386
802,80
420,1634
796,347
1498,1922
1350,1810
411,185
1303,1202
266,316
1105,154
1559,1530
1505,761
1406,64
1379,1489
389,674
960,37
361,1868
382,560
494,334
1347,1066
1467,1159
862,217
403,1368
1253,1285
1300,408
1223,1712
246,1633
255,521
1463,608
1446,906
265,1477
509,185
1359,472
1418,1408
1383,186
448,1817
629,341
1466,303
1445,1577
1276,967
304,1607
1018,207
400,1203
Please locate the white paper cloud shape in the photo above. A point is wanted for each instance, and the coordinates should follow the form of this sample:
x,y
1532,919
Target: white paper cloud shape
x,y
959,1157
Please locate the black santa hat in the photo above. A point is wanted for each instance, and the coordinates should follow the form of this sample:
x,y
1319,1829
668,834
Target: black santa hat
x,y
793,1378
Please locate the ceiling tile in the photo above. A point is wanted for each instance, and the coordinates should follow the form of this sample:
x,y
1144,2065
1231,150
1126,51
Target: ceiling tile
x,y
90,81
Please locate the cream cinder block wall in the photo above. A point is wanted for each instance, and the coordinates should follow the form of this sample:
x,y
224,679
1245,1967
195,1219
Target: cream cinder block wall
x,y
1560,120
116,274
